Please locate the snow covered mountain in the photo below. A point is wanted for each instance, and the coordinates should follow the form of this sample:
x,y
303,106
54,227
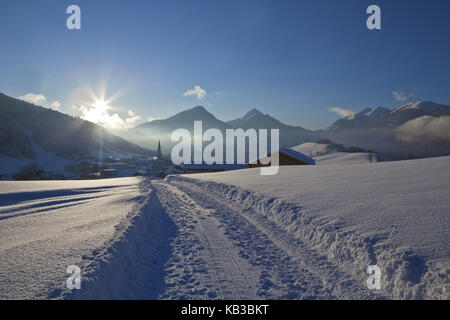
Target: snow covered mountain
x,y
408,112
365,117
371,129
395,133
381,117
426,106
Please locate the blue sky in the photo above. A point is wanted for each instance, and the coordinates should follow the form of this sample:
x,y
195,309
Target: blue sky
x,y
292,59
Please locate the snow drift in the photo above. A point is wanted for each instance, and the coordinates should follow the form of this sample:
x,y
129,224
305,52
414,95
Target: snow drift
x,y
130,265
113,229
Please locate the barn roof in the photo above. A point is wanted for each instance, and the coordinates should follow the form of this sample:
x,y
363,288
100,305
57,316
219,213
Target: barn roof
x,y
295,155
298,156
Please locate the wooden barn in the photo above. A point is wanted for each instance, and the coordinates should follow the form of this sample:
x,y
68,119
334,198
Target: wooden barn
x,y
287,157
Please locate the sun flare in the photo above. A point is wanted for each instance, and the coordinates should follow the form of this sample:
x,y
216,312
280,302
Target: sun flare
x,y
101,105
100,110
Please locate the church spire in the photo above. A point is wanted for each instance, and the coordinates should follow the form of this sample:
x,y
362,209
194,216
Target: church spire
x,y
158,153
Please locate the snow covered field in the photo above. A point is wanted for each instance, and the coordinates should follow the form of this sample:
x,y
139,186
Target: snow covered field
x,y
45,226
395,215
309,232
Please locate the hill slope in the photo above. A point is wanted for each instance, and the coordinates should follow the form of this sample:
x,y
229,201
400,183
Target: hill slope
x,y
25,124
328,154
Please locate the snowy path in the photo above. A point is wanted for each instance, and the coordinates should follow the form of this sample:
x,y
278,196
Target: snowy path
x,y
226,252
229,276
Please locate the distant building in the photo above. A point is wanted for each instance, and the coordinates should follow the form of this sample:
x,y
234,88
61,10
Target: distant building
x,y
287,157
159,163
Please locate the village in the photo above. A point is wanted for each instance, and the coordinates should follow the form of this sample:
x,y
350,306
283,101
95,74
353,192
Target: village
x,y
160,166
113,167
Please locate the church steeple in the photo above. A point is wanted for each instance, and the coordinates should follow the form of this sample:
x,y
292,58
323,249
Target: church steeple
x,y
159,153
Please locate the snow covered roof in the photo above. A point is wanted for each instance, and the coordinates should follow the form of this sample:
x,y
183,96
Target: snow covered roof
x,y
293,154
297,155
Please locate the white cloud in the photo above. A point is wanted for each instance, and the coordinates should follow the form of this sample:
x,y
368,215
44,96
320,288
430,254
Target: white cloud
x,y
132,119
401,96
425,128
102,117
33,98
40,99
341,112
197,91
55,104
150,119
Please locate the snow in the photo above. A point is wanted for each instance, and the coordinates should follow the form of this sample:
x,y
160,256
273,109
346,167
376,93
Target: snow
x,y
345,158
395,215
46,160
426,106
311,148
351,116
309,232
323,154
45,226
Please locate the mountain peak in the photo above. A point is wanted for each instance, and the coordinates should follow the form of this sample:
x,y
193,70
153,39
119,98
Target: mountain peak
x,y
426,106
198,109
252,113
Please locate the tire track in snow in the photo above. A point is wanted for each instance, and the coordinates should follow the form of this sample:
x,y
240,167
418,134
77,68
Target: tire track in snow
x,y
229,275
256,255
314,276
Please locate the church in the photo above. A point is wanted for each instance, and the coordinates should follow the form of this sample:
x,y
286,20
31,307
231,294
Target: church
x,y
158,153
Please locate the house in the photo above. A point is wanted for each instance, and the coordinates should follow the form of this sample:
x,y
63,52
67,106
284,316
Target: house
x,y
287,157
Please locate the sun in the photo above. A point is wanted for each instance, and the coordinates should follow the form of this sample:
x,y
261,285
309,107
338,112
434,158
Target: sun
x,y
100,109
97,112
101,105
